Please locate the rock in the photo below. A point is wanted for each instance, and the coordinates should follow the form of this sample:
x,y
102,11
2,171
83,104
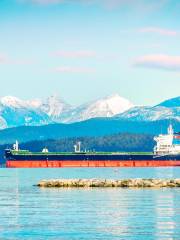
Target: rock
x,y
123,183
109,183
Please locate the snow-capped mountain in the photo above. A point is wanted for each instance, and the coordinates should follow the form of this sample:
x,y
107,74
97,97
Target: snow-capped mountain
x,y
105,107
12,102
150,114
16,112
3,123
54,107
169,109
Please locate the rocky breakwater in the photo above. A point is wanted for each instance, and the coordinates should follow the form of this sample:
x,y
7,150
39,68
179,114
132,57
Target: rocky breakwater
x,y
104,183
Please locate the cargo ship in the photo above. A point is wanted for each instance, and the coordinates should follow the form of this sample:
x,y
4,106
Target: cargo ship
x,y
165,153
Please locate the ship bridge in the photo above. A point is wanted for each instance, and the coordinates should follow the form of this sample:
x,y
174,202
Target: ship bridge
x,y
164,143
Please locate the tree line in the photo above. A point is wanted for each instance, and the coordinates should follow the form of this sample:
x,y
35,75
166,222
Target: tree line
x,y
110,143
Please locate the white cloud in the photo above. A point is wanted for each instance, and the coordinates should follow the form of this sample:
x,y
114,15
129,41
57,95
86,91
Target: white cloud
x,y
159,61
142,5
42,2
68,69
160,31
76,54
3,59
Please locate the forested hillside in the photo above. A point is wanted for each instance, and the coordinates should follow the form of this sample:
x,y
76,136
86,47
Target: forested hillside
x,y
91,128
118,142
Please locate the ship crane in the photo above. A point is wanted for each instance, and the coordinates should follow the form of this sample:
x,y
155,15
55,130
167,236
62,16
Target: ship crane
x,y
166,153
77,147
16,146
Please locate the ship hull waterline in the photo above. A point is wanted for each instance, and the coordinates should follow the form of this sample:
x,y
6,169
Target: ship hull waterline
x,y
86,163
165,154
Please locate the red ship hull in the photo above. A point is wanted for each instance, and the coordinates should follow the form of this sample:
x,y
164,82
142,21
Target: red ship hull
x,y
106,163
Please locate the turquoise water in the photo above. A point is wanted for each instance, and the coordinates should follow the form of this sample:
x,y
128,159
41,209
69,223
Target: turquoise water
x,y
28,212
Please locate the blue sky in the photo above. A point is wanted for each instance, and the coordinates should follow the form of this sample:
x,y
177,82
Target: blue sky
x,y
83,50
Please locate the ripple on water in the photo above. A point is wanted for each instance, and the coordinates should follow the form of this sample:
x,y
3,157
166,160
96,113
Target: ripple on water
x,y
28,212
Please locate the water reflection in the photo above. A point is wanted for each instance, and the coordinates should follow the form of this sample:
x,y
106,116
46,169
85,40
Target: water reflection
x,y
28,212
10,203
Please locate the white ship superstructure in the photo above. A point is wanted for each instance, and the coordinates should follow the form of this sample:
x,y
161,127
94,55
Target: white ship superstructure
x,y
165,144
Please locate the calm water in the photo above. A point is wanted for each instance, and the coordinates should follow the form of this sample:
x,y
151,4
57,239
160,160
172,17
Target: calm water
x,y
27,212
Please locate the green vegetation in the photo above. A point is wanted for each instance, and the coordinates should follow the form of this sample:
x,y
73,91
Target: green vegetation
x,y
98,127
122,142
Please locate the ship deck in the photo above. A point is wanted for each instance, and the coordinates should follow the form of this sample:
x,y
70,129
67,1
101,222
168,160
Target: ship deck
x,y
24,152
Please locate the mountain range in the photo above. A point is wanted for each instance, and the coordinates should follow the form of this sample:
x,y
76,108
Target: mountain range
x,y
15,112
